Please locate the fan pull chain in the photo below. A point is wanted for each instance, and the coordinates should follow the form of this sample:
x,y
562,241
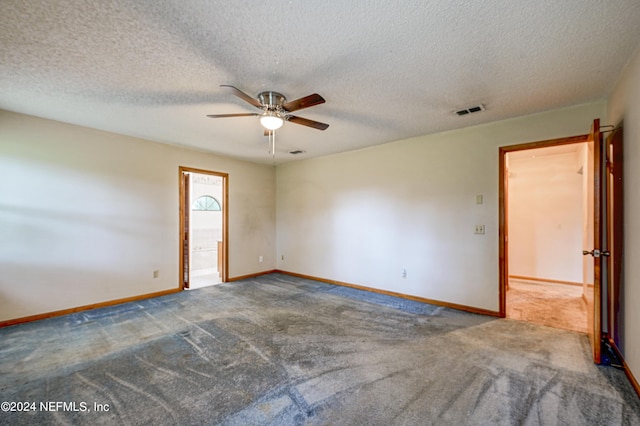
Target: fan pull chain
x,y
272,137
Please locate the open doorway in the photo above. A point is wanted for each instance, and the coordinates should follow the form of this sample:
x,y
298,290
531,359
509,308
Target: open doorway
x,y
548,222
203,224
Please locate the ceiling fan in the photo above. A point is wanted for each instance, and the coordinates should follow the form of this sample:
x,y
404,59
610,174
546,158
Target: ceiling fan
x,y
276,110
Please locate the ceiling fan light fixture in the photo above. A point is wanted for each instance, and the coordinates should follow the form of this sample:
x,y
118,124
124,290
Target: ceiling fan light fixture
x,y
271,120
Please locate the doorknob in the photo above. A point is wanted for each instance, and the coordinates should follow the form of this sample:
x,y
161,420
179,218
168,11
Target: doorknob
x,y
596,253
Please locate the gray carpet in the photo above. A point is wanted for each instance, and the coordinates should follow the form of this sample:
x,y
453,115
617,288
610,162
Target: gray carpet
x,y
278,350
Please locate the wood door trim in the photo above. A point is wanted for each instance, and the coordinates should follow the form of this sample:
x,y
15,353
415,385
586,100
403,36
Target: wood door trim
x,y
225,219
598,216
503,259
185,248
545,143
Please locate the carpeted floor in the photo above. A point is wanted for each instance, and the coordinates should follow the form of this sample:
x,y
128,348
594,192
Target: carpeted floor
x,y
278,350
554,305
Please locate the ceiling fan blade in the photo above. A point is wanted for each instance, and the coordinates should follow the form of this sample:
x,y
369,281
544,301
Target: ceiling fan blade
x,y
239,93
242,114
306,122
306,102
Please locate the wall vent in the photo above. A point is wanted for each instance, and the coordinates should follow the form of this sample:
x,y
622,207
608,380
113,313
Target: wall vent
x,y
297,151
469,110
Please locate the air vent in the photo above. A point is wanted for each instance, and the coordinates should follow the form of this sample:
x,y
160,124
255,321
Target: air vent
x,y
469,110
297,151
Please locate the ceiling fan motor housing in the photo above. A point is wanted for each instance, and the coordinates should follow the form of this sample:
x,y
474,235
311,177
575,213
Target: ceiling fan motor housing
x,y
272,99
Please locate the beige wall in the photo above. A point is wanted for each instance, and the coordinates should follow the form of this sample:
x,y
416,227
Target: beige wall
x,y
86,216
362,217
624,104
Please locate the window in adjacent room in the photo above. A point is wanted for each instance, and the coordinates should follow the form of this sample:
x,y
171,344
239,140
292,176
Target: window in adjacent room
x,y
206,203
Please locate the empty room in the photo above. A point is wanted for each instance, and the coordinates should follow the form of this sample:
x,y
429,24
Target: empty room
x,y
290,212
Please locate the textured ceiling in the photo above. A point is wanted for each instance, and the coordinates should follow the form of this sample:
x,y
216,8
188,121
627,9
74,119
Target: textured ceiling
x,y
388,70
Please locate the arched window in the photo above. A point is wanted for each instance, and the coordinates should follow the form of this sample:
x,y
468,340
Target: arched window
x,y
206,203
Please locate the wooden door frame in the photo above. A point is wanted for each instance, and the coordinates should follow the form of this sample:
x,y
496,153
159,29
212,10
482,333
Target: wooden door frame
x,y
224,274
502,209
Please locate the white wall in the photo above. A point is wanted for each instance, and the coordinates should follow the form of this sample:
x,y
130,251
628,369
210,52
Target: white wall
x,y
86,216
624,104
545,215
361,217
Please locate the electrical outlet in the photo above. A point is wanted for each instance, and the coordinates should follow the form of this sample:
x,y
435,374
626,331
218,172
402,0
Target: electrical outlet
x,y
479,229
404,273
260,259
479,199
156,273
282,258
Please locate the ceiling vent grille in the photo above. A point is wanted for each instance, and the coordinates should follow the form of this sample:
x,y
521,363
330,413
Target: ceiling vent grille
x,y
297,152
470,110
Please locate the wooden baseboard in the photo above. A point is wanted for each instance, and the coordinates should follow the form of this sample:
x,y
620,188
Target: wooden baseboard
x,y
249,276
59,313
46,315
625,367
395,294
544,280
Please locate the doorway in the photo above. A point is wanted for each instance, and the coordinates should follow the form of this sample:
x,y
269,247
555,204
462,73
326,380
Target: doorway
x,y
548,216
603,282
203,227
